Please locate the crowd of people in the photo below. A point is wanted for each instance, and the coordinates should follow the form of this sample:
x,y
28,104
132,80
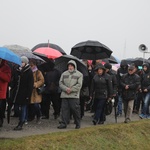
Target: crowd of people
x,y
69,91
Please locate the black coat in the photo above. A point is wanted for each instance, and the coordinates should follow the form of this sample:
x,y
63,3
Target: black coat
x,y
145,80
134,82
22,85
102,86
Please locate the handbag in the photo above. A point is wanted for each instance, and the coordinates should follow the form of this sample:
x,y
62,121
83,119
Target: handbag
x,y
108,108
41,89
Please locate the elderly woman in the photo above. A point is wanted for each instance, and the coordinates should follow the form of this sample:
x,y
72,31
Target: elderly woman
x,y
36,98
101,90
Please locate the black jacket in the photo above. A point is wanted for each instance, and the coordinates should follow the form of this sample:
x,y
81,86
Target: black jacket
x,y
114,80
101,86
134,82
22,85
145,80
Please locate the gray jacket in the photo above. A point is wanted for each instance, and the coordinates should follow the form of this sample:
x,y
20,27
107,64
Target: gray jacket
x,y
71,80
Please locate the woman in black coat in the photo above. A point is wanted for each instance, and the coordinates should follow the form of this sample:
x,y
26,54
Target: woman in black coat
x,y
101,89
24,86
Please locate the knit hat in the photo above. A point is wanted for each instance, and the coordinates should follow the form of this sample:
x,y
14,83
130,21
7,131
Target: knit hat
x,y
24,59
108,66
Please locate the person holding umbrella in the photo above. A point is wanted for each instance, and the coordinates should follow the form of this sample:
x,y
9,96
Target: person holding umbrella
x,y
24,80
5,77
70,83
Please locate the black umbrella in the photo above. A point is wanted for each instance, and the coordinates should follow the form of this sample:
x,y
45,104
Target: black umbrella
x,y
54,46
61,64
91,50
139,61
111,60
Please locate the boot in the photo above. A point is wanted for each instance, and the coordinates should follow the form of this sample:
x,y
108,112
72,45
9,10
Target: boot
x,y
1,122
19,126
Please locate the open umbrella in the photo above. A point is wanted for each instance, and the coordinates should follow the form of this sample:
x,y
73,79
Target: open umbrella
x,y
54,46
139,61
8,55
61,64
91,50
23,51
47,52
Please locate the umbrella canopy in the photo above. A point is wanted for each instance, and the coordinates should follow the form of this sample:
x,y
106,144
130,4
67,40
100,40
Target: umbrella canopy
x,y
17,48
54,46
61,64
112,60
48,52
139,61
91,50
8,55
22,51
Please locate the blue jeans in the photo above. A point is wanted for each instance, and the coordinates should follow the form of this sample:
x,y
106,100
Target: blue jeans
x,y
23,113
37,110
119,111
146,98
100,106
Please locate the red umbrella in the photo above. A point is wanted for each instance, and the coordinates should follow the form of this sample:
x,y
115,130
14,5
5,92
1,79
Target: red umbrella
x,y
48,52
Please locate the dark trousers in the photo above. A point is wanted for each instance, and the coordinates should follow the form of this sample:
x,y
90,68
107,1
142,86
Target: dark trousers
x,y
67,105
100,107
2,109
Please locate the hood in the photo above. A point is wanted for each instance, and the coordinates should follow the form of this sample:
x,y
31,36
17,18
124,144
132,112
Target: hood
x,y
124,64
73,63
99,66
148,67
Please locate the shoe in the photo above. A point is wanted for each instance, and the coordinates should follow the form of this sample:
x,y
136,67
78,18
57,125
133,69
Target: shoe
x,y
38,121
26,122
44,117
148,117
127,120
17,128
56,116
61,126
101,122
142,116
94,122
77,127
1,123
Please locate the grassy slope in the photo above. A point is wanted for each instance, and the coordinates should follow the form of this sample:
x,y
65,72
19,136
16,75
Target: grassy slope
x,y
132,136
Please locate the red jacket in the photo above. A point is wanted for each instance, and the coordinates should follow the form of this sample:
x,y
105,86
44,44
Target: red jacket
x,y
5,77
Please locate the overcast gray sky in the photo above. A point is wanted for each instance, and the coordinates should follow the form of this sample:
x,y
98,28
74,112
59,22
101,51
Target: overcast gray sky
x,y
122,25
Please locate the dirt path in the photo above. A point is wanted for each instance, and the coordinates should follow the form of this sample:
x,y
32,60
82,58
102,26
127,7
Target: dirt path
x,y
50,125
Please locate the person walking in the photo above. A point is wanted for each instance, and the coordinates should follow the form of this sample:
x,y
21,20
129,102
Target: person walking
x,y
70,84
24,80
145,84
35,97
5,77
120,72
101,89
130,83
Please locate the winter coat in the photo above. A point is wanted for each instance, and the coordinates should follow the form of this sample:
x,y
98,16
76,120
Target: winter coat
x,y
38,82
5,77
71,80
134,82
102,86
120,72
23,85
114,81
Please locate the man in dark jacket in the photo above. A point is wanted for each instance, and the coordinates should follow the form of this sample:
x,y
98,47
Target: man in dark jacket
x,y
5,77
129,83
120,72
23,81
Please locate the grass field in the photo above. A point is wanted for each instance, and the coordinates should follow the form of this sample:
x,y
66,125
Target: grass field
x,y
132,136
